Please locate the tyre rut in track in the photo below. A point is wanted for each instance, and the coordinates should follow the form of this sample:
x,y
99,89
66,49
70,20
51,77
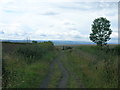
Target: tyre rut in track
x,y
63,80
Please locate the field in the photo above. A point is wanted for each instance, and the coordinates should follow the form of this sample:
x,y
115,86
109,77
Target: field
x,y
43,65
91,67
26,65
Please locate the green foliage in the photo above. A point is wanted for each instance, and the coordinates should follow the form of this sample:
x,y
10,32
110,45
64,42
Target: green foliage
x,y
117,49
28,65
34,41
92,67
100,31
34,51
114,50
6,42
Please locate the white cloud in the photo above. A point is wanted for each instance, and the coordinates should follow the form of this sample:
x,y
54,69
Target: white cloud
x,y
52,19
114,35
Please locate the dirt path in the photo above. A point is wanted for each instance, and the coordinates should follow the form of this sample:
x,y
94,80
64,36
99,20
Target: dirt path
x,y
48,77
65,75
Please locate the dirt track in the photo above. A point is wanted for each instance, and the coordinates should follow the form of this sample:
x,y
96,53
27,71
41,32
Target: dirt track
x,y
65,75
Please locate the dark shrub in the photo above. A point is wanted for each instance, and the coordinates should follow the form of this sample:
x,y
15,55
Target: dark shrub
x,y
34,51
117,49
34,41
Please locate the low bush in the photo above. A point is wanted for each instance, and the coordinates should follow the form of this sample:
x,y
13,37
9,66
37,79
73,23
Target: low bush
x,y
34,51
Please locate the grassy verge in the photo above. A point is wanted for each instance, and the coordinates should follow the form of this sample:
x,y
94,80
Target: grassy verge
x,y
91,67
68,62
25,69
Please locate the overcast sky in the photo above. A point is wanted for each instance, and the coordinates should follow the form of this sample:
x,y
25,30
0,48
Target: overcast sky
x,y
52,20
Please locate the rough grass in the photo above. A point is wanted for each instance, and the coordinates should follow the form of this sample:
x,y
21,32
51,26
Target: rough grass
x,y
92,67
26,65
21,69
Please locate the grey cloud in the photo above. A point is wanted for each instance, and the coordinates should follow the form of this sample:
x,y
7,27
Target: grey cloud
x,y
9,11
17,34
51,26
119,6
111,14
88,6
15,11
2,32
68,23
43,35
78,37
72,28
116,38
50,13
